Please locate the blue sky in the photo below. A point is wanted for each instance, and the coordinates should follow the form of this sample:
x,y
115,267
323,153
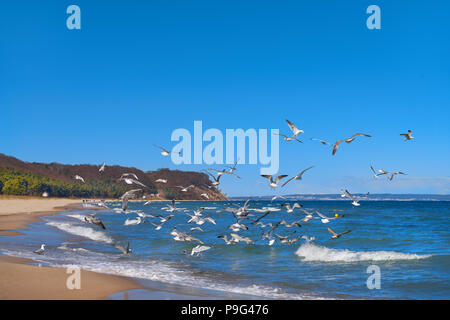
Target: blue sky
x,y
137,70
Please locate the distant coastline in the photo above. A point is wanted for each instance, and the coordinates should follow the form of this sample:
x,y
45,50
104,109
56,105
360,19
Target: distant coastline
x,y
337,197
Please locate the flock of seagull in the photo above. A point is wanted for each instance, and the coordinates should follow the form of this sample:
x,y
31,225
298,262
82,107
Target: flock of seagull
x,y
244,216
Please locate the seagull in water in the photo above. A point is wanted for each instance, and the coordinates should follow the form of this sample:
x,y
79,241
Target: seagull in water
x,y
408,136
40,250
273,184
335,235
348,140
297,177
165,152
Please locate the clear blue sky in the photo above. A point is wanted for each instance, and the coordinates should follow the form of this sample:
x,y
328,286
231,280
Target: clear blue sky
x,y
137,70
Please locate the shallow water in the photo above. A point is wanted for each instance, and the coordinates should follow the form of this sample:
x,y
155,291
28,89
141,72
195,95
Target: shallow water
x,y
408,241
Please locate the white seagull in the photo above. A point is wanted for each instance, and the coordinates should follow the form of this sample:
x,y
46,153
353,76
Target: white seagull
x,y
273,184
77,177
40,250
102,168
165,152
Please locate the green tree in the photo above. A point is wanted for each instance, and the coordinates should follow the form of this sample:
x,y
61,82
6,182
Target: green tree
x,y
16,186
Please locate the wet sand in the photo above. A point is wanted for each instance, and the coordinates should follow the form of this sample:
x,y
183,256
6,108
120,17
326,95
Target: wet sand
x,y
18,280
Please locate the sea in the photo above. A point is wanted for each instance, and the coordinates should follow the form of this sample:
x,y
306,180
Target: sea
x,y
395,250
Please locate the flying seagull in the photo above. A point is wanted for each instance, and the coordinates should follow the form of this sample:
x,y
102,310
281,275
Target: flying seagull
x,y
274,184
394,173
128,175
185,189
408,136
290,209
165,152
297,177
124,250
294,129
77,177
286,138
335,235
161,180
348,140
102,168
131,181
198,249
94,220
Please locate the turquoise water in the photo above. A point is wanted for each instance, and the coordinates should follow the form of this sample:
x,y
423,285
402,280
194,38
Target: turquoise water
x,y
408,241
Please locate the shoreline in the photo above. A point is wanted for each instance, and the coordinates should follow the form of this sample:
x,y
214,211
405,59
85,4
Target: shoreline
x,y
21,281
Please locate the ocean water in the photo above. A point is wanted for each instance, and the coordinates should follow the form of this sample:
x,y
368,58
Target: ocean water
x,y
408,240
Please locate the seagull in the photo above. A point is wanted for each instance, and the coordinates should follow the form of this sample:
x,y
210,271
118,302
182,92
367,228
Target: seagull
x,y
297,177
196,228
238,238
216,180
288,225
262,216
130,194
102,168
204,195
77,177
131,181
277,197
165,152
408,136
322,141
294,129
308,239
131,222
324,219
335,235
124,250
290,209
286,138
128,175
94,220
284,239
348,140
145,215
394,173
274,184
224,171
375,174
161,180
225,238
147,203
40,250
383,172
198,249
185,189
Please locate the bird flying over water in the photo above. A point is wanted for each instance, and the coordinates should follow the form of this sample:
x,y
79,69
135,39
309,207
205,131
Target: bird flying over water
x,y
336,235
94,220
124,250
273,184
297,177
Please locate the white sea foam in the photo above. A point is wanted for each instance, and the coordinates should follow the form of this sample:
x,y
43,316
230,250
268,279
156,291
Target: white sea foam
x,y
311,252
82,231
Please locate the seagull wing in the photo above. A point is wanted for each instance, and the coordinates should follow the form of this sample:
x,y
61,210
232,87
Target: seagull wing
x,y
332,232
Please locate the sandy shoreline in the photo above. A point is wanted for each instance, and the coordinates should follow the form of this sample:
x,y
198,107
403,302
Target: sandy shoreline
x,y
18,280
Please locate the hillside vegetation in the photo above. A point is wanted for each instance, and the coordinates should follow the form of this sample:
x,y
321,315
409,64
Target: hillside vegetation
x,y
33,179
